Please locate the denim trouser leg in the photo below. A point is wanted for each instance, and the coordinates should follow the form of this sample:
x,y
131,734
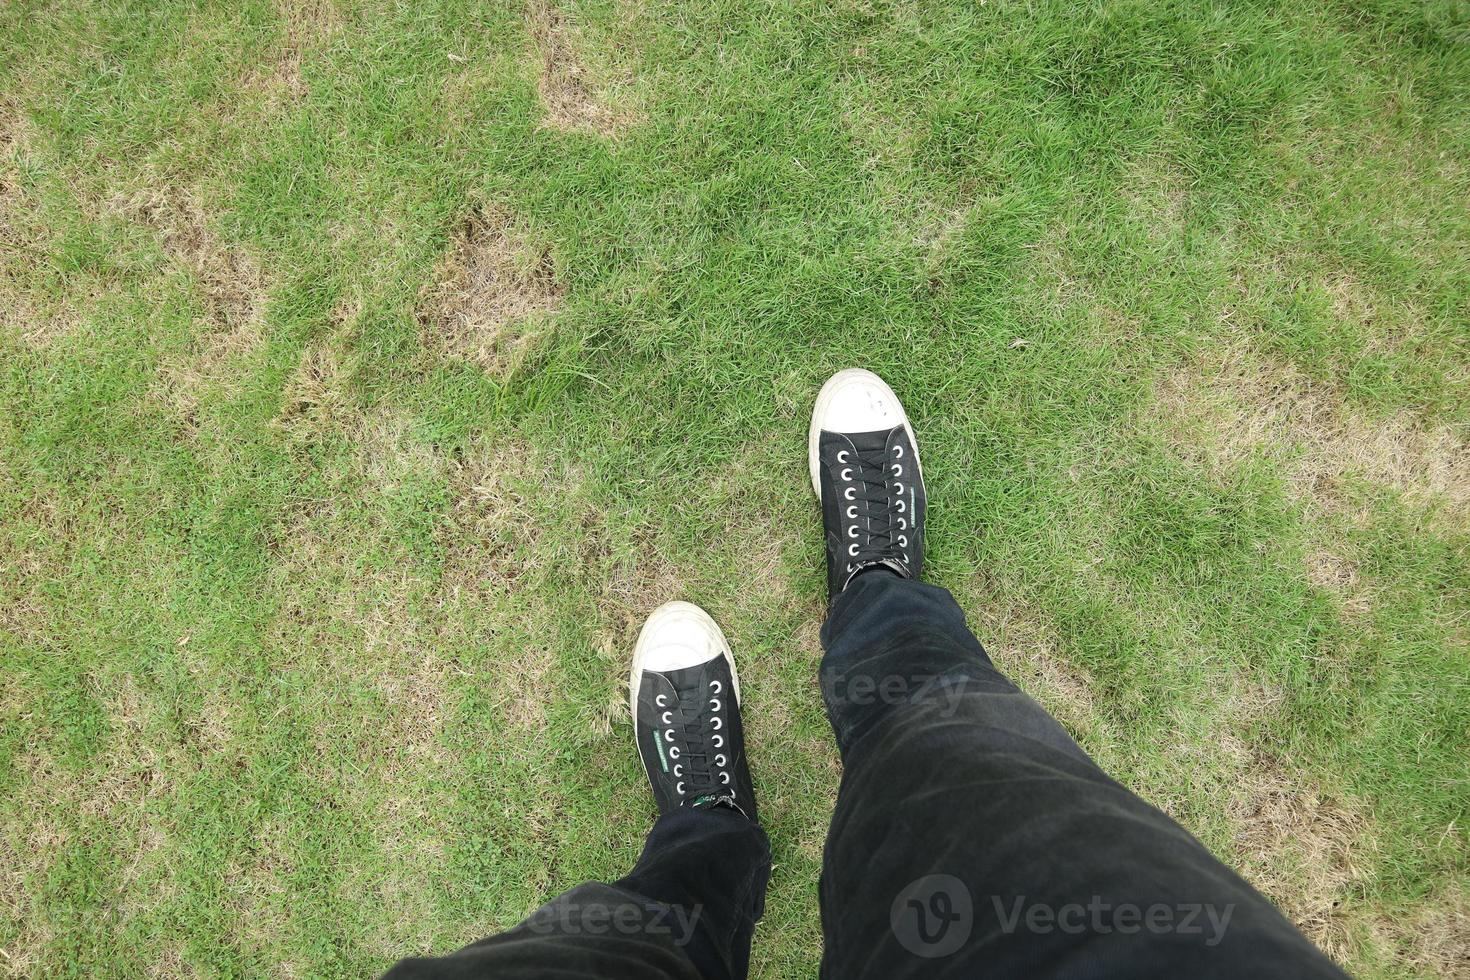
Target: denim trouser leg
x,y
1039,856
685,912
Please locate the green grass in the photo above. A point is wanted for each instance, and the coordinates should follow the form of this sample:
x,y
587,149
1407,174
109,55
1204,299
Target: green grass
x,y
313,629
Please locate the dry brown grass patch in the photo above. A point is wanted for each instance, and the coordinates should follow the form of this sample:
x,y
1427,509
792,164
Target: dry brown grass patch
x,y
37,525
938,231
1237,406
13,127
229,286
389,458
319,544
494,548
416,687
490,295
566,83
14,137
307,25
1350,301
1338,574
1435,938
521,704
1301,848
490,535
316,399
21,317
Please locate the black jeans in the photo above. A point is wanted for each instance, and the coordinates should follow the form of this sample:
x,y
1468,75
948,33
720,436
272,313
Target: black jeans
x,y
972,837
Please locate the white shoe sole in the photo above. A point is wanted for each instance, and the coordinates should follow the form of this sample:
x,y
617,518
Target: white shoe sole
x,y
824,402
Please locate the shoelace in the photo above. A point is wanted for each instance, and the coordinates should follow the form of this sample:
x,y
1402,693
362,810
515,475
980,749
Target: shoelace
x,y
702,773
873,511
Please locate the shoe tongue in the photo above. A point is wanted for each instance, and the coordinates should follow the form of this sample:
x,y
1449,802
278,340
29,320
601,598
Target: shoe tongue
x,y
867,442
691,676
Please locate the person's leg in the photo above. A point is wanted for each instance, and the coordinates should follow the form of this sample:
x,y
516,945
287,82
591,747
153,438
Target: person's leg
x,y
689,907
686,911
972,835
955,772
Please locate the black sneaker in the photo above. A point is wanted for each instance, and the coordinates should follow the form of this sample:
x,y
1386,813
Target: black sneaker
x,y
685,697
865,470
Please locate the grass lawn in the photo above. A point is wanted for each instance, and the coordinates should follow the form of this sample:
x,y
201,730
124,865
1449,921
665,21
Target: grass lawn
x,y
369,370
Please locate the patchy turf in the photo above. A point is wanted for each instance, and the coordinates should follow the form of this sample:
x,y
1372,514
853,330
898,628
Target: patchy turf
x,y
368,371
489,295
569,90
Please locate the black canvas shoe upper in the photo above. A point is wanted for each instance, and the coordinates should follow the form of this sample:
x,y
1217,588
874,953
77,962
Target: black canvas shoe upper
x,y
691,740
872,504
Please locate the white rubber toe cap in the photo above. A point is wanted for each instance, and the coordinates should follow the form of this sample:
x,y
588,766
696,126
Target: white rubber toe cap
x,y
678,635
854,400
